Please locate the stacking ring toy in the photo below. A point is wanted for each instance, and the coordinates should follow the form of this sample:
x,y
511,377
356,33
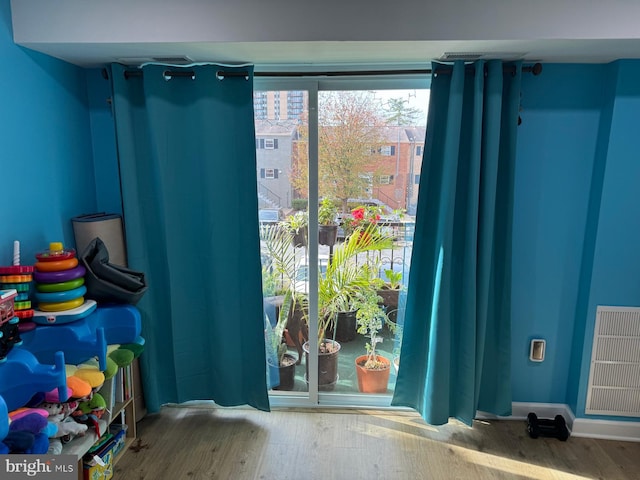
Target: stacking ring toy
x,y
60,286
19,287
60,306
15,278
16,270
56,265
23,314
58,318
57,255
59,276
61,296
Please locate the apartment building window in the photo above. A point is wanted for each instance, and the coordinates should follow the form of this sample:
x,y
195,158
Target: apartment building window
x,y
268,173
388,150
419,150
267,143
386,179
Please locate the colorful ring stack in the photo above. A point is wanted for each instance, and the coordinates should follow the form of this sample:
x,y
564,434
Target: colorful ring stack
x,y
9,332
59,279
19,278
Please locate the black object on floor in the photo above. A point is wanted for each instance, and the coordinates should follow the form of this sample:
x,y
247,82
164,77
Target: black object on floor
x,y
543,427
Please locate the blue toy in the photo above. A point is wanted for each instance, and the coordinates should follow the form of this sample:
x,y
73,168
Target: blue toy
x,y
22,375
4,419
64,316
77,340
86,338
121,323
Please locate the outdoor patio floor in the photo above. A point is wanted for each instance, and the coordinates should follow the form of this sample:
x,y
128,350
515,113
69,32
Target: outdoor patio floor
x,y
347,380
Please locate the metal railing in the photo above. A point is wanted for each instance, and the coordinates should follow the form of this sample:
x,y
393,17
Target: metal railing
x,y
269,195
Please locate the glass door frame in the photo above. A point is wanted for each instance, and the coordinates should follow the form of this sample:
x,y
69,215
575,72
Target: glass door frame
x,y
313,83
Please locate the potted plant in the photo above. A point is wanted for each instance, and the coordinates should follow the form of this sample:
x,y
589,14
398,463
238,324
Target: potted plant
x,y
277,346
390,292
281,259
327,225
363,219
297,224
344,279
372,370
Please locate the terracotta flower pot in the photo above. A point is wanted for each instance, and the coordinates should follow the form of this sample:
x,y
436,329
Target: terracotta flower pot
x,y
372,381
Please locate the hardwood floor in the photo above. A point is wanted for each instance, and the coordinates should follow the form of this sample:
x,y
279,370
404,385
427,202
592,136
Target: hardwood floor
x,y
296,444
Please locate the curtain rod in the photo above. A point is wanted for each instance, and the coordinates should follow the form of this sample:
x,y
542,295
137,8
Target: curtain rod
x,y
535,69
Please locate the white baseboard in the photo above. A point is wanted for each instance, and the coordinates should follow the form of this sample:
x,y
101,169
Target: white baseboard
x,y
579,427
606,429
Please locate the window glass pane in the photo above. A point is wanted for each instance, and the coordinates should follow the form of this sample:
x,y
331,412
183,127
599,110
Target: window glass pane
x,y
368,158
281,150
370,145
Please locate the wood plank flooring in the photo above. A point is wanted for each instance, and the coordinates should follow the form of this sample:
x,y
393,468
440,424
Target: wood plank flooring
x,y
296,444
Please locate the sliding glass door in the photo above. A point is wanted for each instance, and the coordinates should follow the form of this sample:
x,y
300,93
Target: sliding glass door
x,y
338,165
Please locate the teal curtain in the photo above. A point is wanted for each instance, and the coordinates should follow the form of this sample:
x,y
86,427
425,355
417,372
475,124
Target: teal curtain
x,y
455,356
186,147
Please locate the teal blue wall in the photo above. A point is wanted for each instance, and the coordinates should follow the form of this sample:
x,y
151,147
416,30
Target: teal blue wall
x,y
577,221
105,158
555,154
46,163
615,270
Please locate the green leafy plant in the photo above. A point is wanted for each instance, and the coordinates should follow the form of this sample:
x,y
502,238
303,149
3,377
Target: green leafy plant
x,y
347,277
282,263
394,278
294,223
327,212
299,203
370,318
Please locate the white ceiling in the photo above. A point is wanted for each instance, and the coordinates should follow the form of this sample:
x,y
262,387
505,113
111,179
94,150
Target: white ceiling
x,y
331,32
270,55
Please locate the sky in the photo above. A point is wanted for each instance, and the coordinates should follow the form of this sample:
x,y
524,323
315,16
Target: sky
x,y
417,98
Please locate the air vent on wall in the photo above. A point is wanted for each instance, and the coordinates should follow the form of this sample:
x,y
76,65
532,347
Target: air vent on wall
x,y
614,377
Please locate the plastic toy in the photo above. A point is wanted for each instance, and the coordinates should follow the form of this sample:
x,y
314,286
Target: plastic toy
x,y
65,316
9,332
79,342
19,278
59,276
63,296
61,306
4,418
60,286
87,337
22,375
556,428
15,278
56,252
57,265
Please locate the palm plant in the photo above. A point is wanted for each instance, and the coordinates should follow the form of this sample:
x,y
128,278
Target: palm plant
x,y
348,276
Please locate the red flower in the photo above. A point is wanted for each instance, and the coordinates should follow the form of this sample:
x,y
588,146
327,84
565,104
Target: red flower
x,y
358,213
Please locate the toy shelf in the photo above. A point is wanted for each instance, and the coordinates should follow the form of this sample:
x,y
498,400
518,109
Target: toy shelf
x,y
118,412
